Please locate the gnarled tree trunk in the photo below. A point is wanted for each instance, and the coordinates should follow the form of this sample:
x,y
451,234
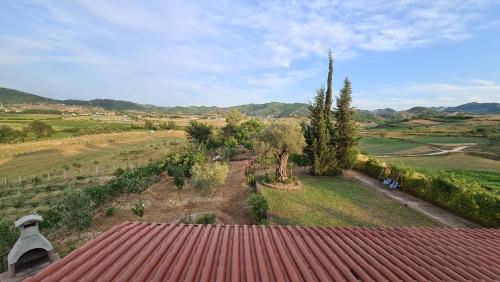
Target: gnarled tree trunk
x,y
281,174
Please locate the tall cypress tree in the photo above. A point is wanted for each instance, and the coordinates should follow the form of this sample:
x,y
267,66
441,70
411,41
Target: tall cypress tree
x,y
329,97
316,135
346,139
320,150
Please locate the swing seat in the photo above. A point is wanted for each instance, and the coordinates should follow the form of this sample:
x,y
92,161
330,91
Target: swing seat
x,y
387,181
394,185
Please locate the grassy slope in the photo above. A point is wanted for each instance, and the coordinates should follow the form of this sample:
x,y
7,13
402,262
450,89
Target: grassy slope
x,y
14,97
338,202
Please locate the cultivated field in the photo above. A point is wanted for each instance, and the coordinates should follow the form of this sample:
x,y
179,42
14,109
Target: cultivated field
x,y
32,180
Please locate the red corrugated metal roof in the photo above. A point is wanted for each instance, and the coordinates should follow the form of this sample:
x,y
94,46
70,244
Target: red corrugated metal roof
x,y
136,251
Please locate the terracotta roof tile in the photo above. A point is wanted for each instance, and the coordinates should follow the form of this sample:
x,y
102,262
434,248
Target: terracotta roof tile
x,y
136,251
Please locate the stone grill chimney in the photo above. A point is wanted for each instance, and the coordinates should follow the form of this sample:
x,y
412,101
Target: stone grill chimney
x,y
32,251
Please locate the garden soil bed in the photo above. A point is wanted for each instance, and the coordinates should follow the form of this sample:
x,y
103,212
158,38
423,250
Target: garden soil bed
x,y
162,204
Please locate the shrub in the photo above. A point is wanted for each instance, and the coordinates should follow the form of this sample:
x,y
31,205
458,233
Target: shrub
x,y
205,176
8,134
206,219
247,132
251,181
8,237
186,220
459,195
184,161
258,208
39,129
138,208
61,213
179,180
75,210
36,180
169,125
110,211
230,147
199,132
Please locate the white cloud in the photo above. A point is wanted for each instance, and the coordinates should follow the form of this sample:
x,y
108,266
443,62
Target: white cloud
x,y
219,48
428,94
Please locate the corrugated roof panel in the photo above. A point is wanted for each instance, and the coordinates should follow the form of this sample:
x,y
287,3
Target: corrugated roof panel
x,y
135,251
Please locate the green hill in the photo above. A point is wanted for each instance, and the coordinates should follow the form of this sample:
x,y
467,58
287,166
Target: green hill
x,y
11,96
273,109
107,104
476,108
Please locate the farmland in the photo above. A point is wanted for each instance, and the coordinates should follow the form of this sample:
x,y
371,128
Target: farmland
x,y
31,180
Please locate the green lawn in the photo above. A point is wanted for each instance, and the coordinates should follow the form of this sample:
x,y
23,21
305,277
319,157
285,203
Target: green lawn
x,y
330,201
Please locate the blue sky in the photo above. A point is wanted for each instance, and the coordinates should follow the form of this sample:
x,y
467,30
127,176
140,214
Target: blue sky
x,y
398,54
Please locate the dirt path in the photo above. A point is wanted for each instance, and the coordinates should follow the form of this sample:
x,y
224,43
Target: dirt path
x,y
437,153
441,152
441,215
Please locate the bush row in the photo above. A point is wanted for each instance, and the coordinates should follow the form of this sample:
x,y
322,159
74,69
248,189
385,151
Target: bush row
x,y
75,209
257,202
465,198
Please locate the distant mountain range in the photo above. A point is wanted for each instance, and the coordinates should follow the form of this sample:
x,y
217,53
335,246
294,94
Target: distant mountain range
x,y
274,109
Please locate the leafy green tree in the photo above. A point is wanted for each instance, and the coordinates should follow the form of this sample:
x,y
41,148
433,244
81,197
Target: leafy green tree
x,y
346,139
199,132
206,176
248,131
185,160
233,118
8,134
277,141
39,129
179,179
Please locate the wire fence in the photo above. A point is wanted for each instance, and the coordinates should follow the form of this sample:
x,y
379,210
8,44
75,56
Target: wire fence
x,y
70,174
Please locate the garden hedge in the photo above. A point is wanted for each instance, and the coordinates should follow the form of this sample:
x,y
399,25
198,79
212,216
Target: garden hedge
x,y
458,195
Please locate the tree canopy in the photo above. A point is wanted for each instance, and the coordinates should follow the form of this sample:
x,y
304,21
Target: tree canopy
x,y
199,132
346,139
278,140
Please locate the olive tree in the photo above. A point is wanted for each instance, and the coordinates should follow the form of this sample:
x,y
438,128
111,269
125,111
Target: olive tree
x,y
277,141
